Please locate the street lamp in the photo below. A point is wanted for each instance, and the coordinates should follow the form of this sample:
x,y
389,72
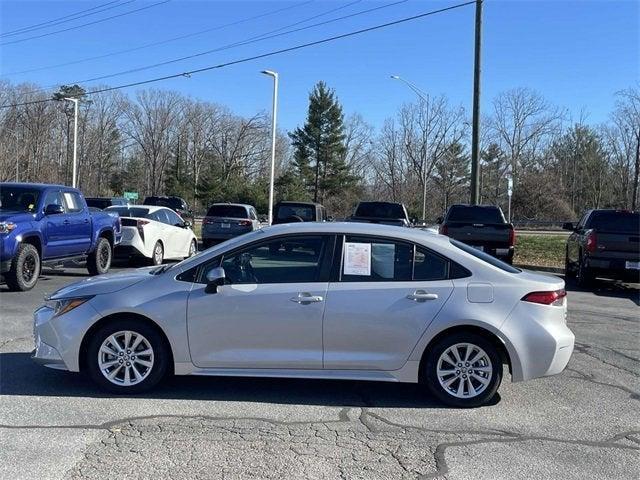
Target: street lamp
x,y
425,98
274,75
75,138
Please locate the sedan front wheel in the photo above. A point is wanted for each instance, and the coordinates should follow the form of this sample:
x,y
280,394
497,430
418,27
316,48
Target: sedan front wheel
x,y
127,357
463,370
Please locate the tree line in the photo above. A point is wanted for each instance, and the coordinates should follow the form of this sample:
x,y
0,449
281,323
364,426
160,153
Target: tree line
x,y
161,142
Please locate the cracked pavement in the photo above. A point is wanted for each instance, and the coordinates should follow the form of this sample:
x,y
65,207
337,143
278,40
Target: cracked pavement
x,y
580,424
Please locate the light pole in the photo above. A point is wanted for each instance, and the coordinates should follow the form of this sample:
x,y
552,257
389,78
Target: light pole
x,y
425,98
75,138
274,75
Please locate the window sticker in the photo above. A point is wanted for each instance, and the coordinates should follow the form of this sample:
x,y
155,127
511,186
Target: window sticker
x,y
357,259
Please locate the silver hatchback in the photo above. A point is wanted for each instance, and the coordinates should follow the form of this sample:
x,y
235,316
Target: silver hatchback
x,y
316,300
227,220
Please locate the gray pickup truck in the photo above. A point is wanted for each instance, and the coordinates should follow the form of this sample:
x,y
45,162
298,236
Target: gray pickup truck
x,y
604,243
481,226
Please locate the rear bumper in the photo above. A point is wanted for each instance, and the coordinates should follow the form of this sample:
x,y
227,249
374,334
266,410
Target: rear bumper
x,y
613,267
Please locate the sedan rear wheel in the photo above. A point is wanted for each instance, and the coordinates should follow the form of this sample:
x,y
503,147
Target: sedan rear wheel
x,y
157,256
193,248
127,356
464,370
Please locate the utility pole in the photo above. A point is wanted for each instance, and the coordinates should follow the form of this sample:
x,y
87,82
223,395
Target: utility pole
x,y
75,139
475,127
274,75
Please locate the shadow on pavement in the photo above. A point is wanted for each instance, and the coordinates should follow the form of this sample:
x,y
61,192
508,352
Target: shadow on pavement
x,y
20,376
608,288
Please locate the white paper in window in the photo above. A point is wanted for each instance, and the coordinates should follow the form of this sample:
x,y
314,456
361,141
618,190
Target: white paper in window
x,y
383,259
357,258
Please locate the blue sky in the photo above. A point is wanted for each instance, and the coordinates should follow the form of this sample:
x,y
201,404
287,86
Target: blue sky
x,y
576,53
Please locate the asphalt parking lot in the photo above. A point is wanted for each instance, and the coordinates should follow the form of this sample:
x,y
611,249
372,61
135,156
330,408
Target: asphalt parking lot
x,y
581,424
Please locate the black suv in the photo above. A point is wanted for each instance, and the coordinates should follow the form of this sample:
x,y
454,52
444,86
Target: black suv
x,y
604,243
292,212
177,204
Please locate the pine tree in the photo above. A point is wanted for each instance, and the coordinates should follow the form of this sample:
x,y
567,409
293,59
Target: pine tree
x,y
319,146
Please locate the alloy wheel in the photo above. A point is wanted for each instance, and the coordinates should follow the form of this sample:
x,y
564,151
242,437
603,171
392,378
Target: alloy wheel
x,y
464,370
29,268
125,358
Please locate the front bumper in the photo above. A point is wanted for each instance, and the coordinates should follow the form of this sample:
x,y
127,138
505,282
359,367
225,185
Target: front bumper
x,y
57,339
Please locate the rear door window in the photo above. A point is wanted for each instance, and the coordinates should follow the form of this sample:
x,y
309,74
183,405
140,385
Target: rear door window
x,y
366,259
73,201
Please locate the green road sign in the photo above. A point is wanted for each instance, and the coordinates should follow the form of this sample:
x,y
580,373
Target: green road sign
x,y
131,195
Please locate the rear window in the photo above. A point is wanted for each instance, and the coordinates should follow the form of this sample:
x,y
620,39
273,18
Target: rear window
x,y
305,212
101,203
485,257
622,222
228,211
380,210
130,211
475,214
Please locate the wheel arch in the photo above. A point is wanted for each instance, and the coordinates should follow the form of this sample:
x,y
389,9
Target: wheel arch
x,y
84,345
33,239
487,334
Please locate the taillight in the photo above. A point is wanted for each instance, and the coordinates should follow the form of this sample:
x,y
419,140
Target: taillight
x,y
443,230
244,223
546,298
512,237
139,225
591,241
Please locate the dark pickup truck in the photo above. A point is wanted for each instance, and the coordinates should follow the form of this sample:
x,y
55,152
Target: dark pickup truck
x,y
482,227
42,223
386,213
604,243
293,212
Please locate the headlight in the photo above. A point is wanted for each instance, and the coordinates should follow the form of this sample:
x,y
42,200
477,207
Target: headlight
x,y
6,227
65,305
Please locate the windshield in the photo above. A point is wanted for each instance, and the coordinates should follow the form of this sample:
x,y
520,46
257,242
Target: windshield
x,y
130,211
618,222
380,210
474,214
228,211
305,212
19,198
485,257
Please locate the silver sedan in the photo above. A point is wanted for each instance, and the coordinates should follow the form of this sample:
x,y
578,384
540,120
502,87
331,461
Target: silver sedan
x,y
315,300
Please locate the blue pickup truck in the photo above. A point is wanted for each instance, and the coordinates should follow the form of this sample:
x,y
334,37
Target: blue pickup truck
x,y
42,223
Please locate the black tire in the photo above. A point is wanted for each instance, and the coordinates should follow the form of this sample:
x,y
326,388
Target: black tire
x,y
157,256
430,377
568,268
24,270
584,276
161,356
99,261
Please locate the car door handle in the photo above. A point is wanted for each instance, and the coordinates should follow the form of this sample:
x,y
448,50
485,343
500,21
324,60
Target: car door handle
x,y
422,296
305,298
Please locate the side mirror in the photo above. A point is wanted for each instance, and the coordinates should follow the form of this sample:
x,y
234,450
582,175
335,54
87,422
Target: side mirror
x,y
330,218
53,209
186,224
439,220
215,279
568,226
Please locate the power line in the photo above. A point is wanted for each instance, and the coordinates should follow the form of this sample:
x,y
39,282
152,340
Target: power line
x,y
255,39
161,42
129,12
189,73
37,26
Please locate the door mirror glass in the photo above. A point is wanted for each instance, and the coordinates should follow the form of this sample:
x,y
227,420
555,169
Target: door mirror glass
x,y
567,226
53,209
215,278
186,224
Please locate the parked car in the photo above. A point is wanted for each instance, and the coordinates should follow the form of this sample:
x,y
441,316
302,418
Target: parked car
x,y
104,202
604,243
351,301
155,234
481,226
177,204
386,213
293,212
42,223
227,220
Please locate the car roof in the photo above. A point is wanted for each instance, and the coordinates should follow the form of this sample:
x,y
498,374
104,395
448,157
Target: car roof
x,y
36,185
292,202
150,208
245,205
